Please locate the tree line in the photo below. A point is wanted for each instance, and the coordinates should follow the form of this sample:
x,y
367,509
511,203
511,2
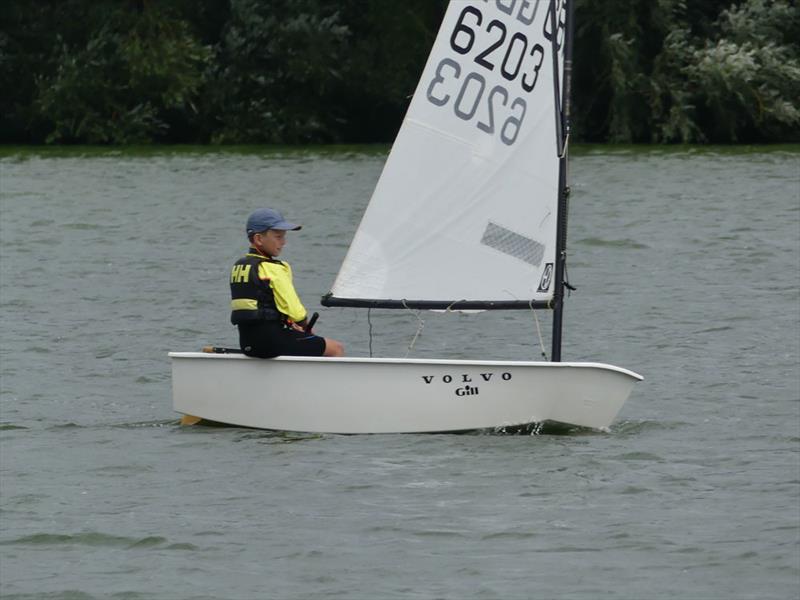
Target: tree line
x,y
322,71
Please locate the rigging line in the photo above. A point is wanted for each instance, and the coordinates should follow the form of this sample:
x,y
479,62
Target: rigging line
x,y
570,288
369,322
536,320
565,150
419,328
538,330
453,304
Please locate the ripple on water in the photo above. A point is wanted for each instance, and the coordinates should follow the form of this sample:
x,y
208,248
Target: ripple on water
x,y
122,470
81,226
622,244
639,456
96,539
634,428
146,424
512,534
63,595
10,427
38,350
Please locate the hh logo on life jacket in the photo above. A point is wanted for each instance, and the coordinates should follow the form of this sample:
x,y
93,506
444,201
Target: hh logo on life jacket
x,y
240,273
547,277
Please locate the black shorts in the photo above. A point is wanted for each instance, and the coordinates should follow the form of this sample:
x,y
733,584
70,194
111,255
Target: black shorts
x,y
268,339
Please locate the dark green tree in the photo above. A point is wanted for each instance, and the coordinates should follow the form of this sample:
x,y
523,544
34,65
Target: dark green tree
x,y
278,65
97,72
389,45
680,71
297,71
744,82
293,71
138,63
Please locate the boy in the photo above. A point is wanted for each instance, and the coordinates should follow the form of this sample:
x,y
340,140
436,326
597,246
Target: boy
x,y
264,304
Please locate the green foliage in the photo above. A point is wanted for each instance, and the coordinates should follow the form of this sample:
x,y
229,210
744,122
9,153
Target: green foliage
x,y
27,31
119,86
662,76
387,50
298,71
292,71
749,80
279,64
672,103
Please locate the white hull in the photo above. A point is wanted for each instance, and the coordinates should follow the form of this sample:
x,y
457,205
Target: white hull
x,y
385,395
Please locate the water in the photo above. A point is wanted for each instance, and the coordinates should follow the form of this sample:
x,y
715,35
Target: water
x,y
688,269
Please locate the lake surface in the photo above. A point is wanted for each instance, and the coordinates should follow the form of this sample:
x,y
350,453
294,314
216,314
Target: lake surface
x,y
687,263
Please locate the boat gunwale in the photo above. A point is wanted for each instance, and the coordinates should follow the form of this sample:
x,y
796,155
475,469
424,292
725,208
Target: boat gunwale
x,y
411,361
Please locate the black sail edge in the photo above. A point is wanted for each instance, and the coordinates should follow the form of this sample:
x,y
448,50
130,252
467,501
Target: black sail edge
x,y
330,300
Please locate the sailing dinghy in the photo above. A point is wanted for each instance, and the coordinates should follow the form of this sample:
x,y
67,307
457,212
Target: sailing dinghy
x,y
469,213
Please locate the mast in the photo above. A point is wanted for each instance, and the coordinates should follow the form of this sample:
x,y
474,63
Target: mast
x,y
563,188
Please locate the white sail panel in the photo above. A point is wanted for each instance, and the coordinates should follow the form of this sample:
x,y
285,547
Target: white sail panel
x,y
466,206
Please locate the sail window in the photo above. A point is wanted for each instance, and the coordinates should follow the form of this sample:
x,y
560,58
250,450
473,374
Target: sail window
x,y
512,243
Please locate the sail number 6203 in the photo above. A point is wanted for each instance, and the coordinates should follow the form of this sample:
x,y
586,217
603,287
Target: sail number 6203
x,y
518,61
468,100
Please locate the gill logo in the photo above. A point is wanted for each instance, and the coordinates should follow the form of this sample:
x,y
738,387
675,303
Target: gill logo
x,y
547,277
240,273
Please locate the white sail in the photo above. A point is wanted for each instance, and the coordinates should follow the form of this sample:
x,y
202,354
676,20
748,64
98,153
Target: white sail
x,y
466,206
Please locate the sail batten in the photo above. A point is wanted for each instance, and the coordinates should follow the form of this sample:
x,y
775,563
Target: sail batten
x,y
465,208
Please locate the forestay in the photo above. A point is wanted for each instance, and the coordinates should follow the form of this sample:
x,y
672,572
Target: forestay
x,y
465,210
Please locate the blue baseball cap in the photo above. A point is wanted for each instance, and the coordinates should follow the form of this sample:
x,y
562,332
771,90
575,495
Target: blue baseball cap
x,y
268,218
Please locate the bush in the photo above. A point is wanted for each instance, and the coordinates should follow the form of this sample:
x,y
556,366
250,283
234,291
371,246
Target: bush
x,y
119,86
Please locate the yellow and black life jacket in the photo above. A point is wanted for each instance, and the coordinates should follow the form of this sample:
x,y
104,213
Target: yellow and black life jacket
x,y
252,298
